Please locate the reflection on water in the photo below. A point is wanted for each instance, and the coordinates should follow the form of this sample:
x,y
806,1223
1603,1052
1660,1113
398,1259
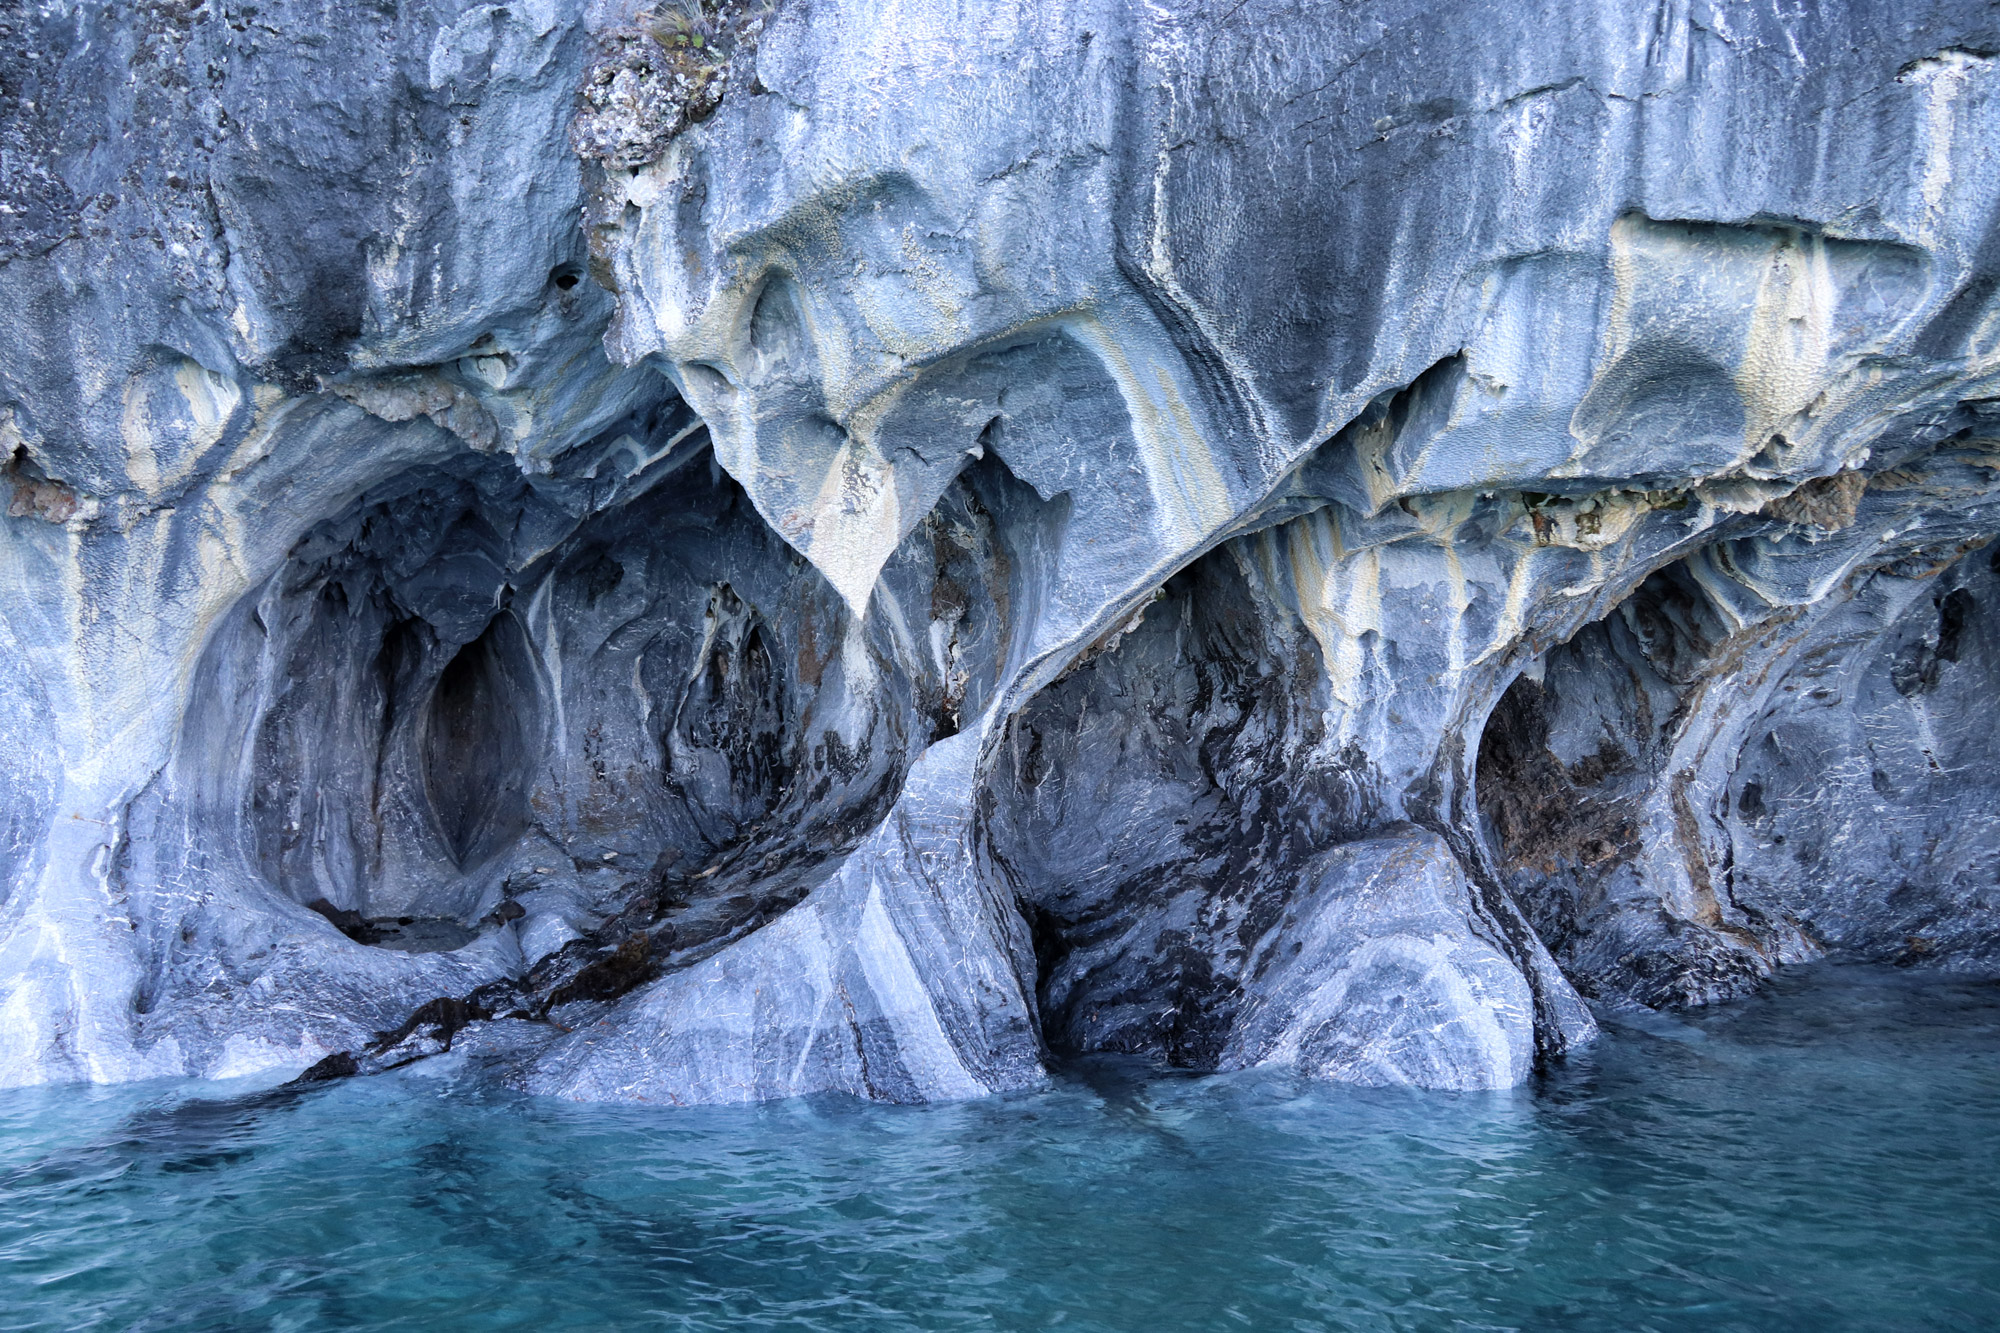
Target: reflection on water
x,y
1822,1156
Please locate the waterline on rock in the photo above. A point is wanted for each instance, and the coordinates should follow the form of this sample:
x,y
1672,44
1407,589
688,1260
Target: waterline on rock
x,y
1818,1155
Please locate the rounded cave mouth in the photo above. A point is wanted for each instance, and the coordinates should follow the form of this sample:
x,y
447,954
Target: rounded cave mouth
x,y
1674,844
450,738
393,710
478,701
1154,806
1576,784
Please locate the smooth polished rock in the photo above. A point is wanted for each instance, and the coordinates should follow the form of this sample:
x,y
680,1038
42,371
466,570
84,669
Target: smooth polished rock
x,y
1376,975
896,541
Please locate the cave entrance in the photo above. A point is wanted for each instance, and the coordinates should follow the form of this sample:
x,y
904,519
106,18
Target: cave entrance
x,y
396,714
475,698
1574,773
1682,802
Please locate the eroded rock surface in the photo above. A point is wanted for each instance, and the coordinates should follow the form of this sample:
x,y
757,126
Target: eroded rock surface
x,y
734,550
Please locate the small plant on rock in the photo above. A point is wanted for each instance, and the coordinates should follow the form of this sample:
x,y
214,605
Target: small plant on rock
x,y
685,24
665,71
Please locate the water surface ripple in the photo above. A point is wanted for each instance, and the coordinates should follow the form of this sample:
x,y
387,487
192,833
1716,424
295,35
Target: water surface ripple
x,y
1822,1156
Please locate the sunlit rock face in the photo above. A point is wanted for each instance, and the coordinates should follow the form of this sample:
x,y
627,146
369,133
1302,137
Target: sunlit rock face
x,y
902,542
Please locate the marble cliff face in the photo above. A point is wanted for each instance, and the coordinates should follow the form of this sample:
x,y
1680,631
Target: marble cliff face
x,y
902,540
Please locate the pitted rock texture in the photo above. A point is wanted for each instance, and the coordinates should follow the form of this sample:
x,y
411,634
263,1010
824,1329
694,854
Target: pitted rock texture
x,y
897,542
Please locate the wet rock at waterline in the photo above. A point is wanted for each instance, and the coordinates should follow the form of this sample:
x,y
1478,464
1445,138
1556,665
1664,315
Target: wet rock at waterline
x,y
872,551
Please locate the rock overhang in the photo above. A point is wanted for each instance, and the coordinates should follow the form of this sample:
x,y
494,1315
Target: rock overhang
x,y
1028,335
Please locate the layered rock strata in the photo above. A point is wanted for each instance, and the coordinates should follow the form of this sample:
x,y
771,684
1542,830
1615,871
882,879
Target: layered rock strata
x,y
722,552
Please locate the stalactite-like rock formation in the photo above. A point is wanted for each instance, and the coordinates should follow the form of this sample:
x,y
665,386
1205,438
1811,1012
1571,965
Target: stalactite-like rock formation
x,y
722,552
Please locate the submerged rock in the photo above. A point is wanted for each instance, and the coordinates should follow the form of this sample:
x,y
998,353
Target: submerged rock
x,y
869,548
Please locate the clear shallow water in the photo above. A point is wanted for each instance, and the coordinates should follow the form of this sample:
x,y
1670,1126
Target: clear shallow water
x,y
1824,1156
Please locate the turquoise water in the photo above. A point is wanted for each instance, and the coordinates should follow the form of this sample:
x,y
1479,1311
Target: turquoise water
x,y
1822,1156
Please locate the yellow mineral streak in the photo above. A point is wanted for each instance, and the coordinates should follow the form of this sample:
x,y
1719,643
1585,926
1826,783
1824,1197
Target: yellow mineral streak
x,y
1511,624
1784,362
1340,599
1943,80
1188,492
208,401
135,426
1626,234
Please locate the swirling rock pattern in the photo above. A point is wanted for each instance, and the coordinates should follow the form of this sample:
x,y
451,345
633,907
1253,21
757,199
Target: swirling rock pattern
x,y
892,541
